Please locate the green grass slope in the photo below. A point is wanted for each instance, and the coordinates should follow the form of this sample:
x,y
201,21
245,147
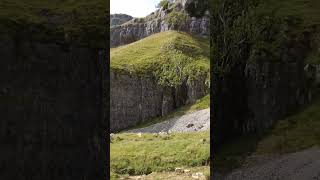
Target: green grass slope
x,y
134,155
170,56
82,21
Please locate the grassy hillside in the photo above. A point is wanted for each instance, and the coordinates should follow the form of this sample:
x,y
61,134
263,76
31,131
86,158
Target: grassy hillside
x,y
160,155
171,56
82,21
134,155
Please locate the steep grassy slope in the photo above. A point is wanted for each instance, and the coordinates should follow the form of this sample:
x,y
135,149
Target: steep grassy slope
x,y
134,155
170,56
57,20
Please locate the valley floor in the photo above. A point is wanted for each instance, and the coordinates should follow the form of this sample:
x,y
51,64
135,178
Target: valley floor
x,y
176,148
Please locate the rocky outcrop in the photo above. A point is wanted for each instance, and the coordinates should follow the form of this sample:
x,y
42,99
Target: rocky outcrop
x,y
274,91
51,107
139,28
118,19
136,99
255,94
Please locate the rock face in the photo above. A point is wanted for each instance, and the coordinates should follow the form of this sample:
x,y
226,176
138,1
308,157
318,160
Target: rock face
x,y
139,28
256,94
136,99
274,91
51,107
118,19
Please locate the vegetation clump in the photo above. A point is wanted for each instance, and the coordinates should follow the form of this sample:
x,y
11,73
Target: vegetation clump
x,y
164,4
176,19
258,30
64,21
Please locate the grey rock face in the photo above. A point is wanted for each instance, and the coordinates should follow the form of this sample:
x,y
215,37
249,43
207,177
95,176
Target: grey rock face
x,y
118,19
140,28
51,107
255,94
136,99
274,90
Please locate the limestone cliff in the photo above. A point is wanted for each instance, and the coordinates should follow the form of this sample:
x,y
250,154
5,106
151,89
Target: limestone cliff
x,y
136,99
118,19
155,76
261,71
197,22
51,107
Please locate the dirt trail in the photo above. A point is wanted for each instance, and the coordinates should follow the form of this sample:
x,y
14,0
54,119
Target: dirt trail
x,y
303,165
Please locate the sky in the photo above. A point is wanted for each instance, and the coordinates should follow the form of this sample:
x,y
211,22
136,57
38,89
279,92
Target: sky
x,y
135,8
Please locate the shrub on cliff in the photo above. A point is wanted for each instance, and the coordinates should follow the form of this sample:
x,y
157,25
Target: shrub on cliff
x,y
196,8
176,19
164,4
257,30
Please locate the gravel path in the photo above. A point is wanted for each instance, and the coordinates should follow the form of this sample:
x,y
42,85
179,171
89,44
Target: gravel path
x,y
196,121
304,165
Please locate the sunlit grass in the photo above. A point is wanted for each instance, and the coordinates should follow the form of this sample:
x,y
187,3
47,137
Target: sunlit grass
x,y
149,54
134,155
